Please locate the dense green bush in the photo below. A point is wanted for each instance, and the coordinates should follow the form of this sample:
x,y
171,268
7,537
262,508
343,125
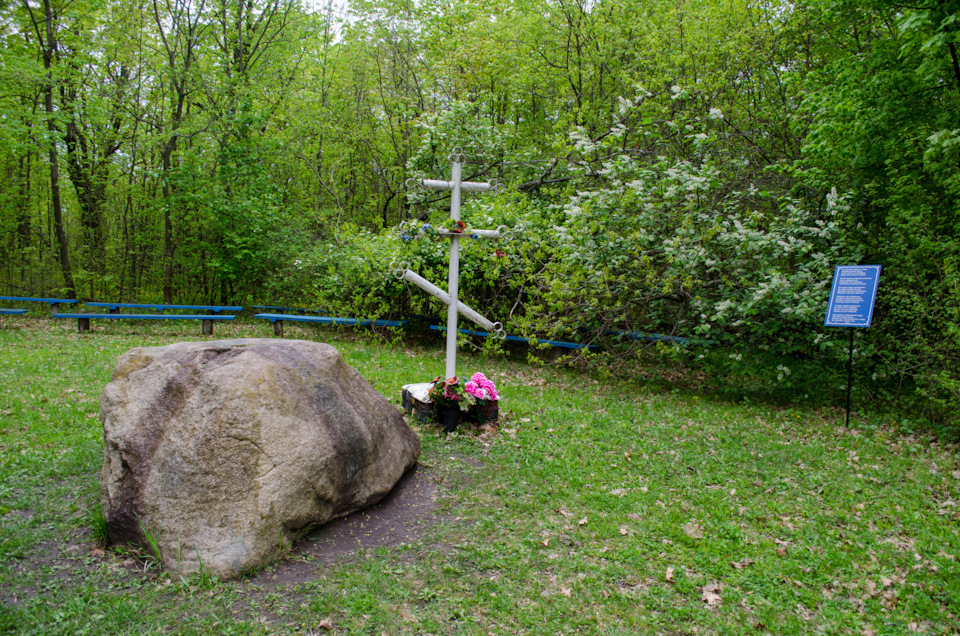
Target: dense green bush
x,y
647,240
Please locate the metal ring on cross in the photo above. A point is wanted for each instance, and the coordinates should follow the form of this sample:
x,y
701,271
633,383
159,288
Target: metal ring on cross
x,y
398,229
504,231
498,331
456,155
496,186
415,185
399,269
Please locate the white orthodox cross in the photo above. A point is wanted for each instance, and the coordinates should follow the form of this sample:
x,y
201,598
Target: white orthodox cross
x,y
456,185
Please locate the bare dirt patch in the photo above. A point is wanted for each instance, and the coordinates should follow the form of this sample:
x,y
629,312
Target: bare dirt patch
x,y
401,518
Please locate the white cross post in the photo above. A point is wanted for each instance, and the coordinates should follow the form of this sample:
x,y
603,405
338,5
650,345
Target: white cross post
x,y
456,185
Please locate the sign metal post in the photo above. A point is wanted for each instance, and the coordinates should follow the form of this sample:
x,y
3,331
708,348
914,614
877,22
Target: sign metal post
x,y
852,298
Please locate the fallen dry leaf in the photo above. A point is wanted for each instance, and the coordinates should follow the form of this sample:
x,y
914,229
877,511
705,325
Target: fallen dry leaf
x,y
889,599
669,576
566,591
781,551
741,564
618,492
711,594
325,624
624,531
693,530
582,522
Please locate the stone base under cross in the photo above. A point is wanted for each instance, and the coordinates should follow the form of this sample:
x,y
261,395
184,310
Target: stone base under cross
x,y
415,398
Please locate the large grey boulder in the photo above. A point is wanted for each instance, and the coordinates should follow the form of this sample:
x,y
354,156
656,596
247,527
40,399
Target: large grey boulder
x,y
221,451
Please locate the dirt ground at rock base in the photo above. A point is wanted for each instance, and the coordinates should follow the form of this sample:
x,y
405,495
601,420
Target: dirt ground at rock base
x,y
400,518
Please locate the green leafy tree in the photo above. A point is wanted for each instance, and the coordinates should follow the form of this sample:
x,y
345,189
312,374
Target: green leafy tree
x,y
44,23
884,122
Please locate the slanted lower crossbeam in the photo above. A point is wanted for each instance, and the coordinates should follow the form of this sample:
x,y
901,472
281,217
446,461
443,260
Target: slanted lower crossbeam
x,y
421,282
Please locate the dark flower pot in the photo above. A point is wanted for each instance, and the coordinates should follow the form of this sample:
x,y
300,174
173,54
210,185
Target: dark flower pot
x,y
483,413
450,418
489,412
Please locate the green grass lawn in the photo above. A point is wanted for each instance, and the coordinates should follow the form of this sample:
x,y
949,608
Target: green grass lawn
x,y
599,508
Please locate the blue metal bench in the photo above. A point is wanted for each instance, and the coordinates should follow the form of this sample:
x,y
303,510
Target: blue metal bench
x,y
83,319
278,319
552,343
12,312
53,302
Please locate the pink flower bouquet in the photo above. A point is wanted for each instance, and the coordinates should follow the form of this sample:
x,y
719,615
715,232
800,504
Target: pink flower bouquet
x,y
481,389
451,393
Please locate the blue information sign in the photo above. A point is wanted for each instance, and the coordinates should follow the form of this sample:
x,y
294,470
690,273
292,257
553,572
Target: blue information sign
x,y
852,296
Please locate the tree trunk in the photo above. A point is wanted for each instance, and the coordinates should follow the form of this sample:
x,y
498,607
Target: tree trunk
x,y
24,225
167,226
48,45
180,34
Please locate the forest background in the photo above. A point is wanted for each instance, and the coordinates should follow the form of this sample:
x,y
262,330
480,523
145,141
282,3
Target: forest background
x,y
693,168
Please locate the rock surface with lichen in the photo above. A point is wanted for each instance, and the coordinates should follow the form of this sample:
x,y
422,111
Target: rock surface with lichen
x,y
223,451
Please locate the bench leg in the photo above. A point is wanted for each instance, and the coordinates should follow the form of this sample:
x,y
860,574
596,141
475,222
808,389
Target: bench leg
x,y
83,324
207,328
278,328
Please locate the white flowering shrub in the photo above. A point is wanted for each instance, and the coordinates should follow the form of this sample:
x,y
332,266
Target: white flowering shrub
x,y
675,246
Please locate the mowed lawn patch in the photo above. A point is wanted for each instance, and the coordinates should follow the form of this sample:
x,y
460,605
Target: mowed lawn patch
x,y
597,508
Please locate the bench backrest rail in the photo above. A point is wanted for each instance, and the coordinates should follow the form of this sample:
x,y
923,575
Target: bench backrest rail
x,y
53,302
116,307
278,320
553,343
